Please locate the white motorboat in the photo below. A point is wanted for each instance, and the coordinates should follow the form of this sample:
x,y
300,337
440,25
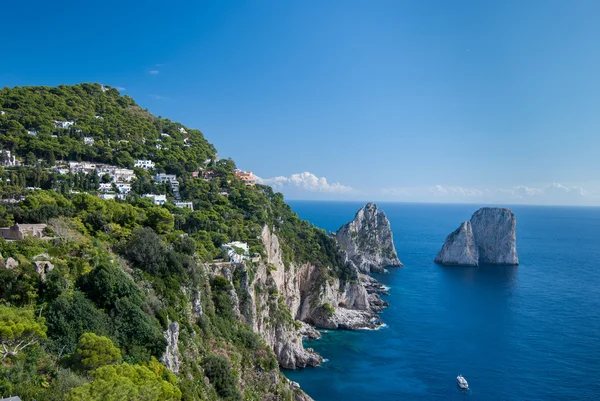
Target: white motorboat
x,y
462,382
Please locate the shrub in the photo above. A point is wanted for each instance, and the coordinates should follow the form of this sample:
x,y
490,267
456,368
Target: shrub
x,y
218,370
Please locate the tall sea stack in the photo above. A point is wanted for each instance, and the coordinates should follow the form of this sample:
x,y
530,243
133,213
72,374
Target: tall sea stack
x,y
488,238
367,241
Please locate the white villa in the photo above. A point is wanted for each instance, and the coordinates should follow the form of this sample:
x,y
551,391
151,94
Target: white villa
x,y
122,174
123,187
189,205
63,124
7,159
105,187
157,199
162,178
88,140
236,251
145,164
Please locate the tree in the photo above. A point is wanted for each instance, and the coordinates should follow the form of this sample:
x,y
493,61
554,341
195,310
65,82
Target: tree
x,y
94,351
126,382
160,220
71,315
30,159
19,329
218,370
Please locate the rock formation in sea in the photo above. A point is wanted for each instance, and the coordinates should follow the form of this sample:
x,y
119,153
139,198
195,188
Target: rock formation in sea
x,y
367,241
488,238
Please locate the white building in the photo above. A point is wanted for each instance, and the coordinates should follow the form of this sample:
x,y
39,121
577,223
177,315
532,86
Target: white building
x,y
2,112
165,134
162,178
108,196
7,159
236,251
88,140
145,164
157,199
105,187
84,167
63,124
182,130
32,132
122,174
123,187
189,205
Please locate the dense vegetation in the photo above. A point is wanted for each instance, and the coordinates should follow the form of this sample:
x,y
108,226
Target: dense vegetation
x,y
92,327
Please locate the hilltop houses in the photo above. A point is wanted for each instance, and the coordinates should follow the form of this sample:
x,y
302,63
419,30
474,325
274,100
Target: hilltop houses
x,y
165,178
7,159
236,251
189,205
123,187
208,175
246,176
145,164
115,173
20,231
158,200
63,124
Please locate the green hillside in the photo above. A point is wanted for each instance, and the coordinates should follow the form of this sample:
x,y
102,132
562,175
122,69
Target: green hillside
x,y
123,270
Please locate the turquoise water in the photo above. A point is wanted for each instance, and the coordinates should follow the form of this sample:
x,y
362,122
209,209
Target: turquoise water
x,y
530,332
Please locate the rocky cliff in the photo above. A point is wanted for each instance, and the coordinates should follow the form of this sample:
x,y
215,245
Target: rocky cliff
x,y
367,241
279,300
488,238
283,301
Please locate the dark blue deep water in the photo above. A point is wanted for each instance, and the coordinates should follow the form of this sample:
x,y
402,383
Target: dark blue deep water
x,y
530,332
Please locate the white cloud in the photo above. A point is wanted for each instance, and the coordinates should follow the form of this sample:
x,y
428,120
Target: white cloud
x,y
554,193
119,88
305,181
153,72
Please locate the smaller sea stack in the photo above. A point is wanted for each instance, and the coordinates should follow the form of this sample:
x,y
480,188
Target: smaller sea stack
x,y
367,241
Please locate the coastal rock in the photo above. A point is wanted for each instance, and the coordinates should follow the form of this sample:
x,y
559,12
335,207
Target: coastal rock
x,y
496,237
171,357
367,241
488,238
459,248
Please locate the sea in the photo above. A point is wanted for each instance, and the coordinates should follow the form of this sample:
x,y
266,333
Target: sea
x,y
527,332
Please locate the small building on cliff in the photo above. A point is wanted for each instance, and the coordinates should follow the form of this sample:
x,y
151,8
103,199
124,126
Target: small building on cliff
x,y
20,231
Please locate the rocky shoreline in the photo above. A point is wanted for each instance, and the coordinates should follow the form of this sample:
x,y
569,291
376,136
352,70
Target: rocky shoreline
x,y
307,297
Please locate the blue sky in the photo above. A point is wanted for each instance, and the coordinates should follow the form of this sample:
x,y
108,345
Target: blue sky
x,y
435,101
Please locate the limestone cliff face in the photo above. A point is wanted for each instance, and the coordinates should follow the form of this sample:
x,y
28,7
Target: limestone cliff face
x,y
171,357
367,241
278,300
488,238
459,248
496,236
